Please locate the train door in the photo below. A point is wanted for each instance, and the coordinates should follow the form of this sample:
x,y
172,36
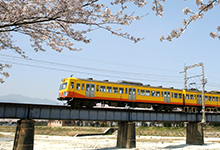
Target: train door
x,y
166,96
199,99
132,94
90,90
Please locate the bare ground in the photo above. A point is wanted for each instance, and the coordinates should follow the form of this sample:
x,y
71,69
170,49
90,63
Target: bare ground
x,y
45,142
55,138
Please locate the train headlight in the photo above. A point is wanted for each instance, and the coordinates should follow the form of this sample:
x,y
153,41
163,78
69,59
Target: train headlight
x,y
65,93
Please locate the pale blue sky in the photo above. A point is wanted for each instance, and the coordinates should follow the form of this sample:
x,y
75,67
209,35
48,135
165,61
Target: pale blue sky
x,y
114,58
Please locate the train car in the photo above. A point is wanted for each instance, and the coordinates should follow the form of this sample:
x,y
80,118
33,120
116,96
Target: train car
x,y
88,92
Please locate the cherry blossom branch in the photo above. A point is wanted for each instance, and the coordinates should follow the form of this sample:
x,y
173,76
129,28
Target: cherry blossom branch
x,y
5,74
199,15
90,3
22,22
53,22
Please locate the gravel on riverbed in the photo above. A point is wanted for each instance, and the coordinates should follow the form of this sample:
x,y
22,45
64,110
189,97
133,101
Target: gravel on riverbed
x,y
108,142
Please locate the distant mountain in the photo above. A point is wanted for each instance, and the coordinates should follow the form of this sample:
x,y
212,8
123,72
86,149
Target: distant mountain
x,y
16,98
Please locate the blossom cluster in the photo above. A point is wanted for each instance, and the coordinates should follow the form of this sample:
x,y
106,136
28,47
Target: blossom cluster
x,y
202,7
186,10
215,34
6,74
158,7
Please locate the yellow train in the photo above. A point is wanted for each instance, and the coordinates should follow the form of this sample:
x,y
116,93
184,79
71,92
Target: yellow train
x,y
88,92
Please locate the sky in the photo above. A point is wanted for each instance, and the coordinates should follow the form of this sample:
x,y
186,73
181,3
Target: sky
x,y
113,58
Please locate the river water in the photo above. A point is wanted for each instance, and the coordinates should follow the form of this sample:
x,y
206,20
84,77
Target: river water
x,y
6,139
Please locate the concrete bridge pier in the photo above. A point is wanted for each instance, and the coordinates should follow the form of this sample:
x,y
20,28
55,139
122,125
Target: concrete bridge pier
x,y
24,136
126,135
194,133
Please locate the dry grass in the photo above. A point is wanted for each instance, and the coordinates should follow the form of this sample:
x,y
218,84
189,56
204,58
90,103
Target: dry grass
x,y
144,131
161,131
66,131
7,128
60,131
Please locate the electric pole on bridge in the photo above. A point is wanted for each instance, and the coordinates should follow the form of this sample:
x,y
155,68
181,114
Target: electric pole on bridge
x,y
203,85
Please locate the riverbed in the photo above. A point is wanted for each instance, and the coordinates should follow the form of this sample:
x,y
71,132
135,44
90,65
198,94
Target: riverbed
x,y
108,142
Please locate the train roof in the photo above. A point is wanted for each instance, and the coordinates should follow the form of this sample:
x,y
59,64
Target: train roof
x,y
124,82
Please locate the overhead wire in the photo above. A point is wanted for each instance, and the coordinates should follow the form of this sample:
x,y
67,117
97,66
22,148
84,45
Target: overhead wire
x,y
81,72
143,76
138,75
113,63
213,84
92,68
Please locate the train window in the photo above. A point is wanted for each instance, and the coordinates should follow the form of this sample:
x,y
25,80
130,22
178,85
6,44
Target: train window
x,y
216,99
142,92
132,91
206,98
210,98
82,86
161,94
92,87
72,85
138,92
102,88
187,96
147,93
168,94
78,86
109,89
175,95
63,86
121,90
213,98
97,88
115,90
126,91
180,96
191,96
87,87
158,93
152,93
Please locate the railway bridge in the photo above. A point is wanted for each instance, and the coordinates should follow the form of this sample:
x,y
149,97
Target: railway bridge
x,y
126,117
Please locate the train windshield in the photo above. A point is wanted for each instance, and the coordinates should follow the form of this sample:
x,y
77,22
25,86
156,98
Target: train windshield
x,y
63,86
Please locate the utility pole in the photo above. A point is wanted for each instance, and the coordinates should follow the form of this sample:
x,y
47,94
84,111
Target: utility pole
x,y
203,95
203,85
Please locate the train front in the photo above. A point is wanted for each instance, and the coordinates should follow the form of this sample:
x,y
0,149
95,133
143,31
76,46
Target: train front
x,y
64,90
